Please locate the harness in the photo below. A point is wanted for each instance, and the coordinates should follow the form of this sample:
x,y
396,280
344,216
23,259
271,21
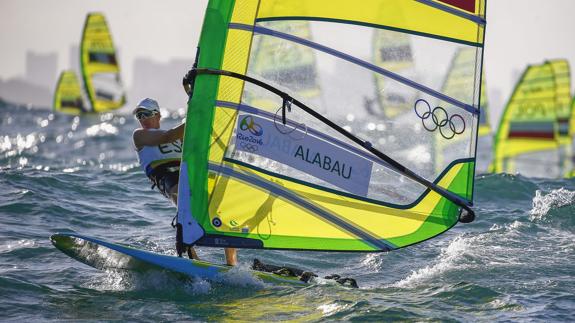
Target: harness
x,y
163,174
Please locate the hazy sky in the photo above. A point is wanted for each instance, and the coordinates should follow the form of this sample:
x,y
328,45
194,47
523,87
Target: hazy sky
x,y
156,29
519,32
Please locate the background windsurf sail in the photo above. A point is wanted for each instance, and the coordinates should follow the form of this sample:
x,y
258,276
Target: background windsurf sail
x,y
99,65
572,134
68,96
527,138
295,67
461,76
563,109
285,177
392,51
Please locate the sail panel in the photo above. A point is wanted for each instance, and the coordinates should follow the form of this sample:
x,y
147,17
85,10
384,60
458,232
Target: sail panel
x,y
563,107
459,83
99,65
529,124
420,17
393,52
258,179
68,95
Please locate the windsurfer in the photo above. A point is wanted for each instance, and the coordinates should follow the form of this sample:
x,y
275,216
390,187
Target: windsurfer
x,y
159,154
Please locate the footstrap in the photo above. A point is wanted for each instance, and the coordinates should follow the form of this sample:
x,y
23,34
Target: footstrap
x,y
345,281
304,276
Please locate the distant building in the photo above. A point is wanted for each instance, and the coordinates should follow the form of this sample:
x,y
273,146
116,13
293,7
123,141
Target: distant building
x,y
74,58
41,69
38,83
19,91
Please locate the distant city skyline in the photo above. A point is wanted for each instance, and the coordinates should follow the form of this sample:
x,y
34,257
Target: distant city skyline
x,y
157,30
160,80
519,32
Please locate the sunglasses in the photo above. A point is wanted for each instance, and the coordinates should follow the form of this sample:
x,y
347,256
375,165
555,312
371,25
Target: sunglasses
x,y
145,114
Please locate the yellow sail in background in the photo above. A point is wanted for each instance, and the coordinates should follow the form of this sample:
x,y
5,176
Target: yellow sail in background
x,y
68,94
99,65
393,52
563,107
528,128
296,67
460,79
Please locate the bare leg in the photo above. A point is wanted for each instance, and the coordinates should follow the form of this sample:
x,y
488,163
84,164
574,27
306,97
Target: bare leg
x,y
192,253
231,256
173,193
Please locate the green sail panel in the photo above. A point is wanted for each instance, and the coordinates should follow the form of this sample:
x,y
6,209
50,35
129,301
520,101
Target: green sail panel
x,y
527,139
276,176
68,96
99,65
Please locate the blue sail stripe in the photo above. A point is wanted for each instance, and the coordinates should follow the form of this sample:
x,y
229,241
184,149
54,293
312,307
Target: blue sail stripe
x,y
304,203
357,61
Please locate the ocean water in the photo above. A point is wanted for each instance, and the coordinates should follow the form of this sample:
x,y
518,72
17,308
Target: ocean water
x,y
59,173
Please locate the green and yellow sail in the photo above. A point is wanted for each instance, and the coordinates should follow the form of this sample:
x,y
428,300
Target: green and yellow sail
x,y
281,177
68,94
563,108
528,130
99,66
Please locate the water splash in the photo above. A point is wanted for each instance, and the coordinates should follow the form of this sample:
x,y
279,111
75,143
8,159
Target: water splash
x,y
449,259
543,203
240,276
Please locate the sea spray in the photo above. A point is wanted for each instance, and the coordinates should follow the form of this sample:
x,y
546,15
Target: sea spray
x,y
543,203
448,260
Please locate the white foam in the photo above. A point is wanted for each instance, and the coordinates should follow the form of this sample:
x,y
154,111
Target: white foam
x,y
330,309
240,276
448,259
121,280
542,204
373,261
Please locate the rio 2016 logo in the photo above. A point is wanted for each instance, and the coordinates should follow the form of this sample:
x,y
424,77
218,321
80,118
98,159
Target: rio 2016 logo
x,y
250,125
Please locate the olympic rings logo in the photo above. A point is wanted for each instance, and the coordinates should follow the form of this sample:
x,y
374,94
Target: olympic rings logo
x,y
448,126
248,147
249,124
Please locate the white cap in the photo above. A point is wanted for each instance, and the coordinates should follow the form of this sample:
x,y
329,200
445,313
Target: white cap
x,y
147,104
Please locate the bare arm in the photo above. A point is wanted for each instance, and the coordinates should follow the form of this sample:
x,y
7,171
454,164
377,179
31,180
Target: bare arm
x,y
143,137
